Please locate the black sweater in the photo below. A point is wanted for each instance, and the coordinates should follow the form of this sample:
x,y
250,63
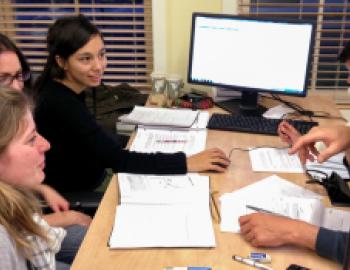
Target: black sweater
x,y
81,149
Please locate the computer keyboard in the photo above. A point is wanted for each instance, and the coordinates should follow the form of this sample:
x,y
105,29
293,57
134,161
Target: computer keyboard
x,y
253,124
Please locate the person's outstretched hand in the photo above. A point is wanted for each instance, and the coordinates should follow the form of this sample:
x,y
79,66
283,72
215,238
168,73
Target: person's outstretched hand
x,y
208,160
335,138
290,135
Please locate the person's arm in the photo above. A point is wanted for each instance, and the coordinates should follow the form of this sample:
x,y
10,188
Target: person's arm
x,y
211,159
67,218
56,202
74,117
331,244
263,230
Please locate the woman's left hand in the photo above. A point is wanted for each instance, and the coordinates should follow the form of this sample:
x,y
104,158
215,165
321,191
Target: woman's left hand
x,y
213,159
56,202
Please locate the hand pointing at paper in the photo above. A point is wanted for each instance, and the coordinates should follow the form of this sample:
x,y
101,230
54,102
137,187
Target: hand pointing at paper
x,y
335,138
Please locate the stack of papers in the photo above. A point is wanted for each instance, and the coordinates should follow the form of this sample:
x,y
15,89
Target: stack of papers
x,y
282,197
163,211
274,160
192,140
278,160
150,116
333,164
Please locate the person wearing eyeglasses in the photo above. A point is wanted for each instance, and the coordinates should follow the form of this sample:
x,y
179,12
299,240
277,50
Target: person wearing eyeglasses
x,y
15,74
14,69
264,230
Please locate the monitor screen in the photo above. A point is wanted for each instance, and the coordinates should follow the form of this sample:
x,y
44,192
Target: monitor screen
x,y
250,54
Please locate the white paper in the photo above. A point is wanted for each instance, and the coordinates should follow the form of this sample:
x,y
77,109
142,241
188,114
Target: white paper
x,y
274,160
200,123
162,226
163,211
335,219
306,209
163,189
277,112
165,141
233,205
161,117
334,163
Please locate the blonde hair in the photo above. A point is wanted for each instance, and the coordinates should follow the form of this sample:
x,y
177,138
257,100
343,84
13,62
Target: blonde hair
x,y
17,205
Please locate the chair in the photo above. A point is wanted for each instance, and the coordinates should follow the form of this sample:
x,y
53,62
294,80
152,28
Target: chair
x,y
84,201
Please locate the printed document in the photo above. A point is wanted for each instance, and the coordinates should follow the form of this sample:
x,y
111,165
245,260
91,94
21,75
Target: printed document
x,y
283,198
333,164
278,160
274,160
169,141
163,211
150,116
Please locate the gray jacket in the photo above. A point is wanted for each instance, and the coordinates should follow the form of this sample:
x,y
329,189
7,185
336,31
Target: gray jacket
x,y
11,259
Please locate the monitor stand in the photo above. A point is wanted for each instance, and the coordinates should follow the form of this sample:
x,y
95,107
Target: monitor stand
x,y
247,105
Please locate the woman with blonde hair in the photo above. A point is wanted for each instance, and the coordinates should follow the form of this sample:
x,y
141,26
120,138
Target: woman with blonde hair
x,y
26,240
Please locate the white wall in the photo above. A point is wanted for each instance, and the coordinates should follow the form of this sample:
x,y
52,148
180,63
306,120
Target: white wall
x,y
171,30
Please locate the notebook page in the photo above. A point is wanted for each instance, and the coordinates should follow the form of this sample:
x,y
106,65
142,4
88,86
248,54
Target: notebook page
x,y
138,226
163,189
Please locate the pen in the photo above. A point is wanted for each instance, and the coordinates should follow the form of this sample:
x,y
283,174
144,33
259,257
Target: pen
x,y
258,209
216,209
189,179
251,262
171,141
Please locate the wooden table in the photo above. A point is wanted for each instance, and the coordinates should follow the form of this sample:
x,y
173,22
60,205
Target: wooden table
x,y
94,253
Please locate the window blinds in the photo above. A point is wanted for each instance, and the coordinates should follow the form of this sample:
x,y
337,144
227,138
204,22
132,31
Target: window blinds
x,y
126,26
332,33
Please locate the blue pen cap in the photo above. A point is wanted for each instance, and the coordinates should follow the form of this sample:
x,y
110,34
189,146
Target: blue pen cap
x,y
188,268
260,257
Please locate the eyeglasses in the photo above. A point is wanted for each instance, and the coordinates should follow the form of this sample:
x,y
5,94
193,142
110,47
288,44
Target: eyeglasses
x,y
7,79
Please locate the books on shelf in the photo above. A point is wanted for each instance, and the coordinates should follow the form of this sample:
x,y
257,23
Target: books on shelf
x,y
162,211
150,116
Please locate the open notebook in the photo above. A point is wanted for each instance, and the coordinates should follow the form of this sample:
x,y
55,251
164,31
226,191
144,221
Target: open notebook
x,y
163,211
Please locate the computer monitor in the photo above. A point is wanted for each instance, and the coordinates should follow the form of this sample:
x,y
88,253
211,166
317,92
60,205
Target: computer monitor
x,y
250,55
